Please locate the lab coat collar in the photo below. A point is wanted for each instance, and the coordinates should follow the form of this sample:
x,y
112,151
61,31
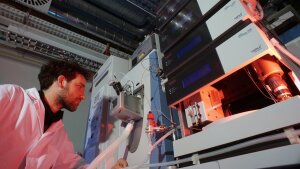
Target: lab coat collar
x,y
35,98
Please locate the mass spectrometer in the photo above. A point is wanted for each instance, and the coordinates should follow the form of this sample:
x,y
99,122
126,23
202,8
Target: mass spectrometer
x,y
137,96
143,96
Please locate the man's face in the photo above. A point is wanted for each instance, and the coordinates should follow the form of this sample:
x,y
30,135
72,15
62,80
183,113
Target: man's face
x,y
73,93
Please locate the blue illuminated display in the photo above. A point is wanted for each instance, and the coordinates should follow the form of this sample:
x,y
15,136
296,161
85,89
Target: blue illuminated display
x,y
191,45
198,74
55,14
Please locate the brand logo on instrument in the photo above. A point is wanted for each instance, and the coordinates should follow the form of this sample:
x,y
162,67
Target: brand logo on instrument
x,y
245,33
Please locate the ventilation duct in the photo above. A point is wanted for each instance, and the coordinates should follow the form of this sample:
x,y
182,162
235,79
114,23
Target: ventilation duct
x,y
103,19
39,5
87,30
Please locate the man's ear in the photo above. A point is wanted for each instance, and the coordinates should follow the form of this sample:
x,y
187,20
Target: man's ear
x,y
62,81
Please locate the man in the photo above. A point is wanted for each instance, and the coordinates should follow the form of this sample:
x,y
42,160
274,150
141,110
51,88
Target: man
x,y
31,128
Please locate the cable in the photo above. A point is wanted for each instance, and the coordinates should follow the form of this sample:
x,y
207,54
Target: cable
x,y
250,76
163,115
141,80
148,102
151,149
150,67
132,90
285,51
254,9
124,75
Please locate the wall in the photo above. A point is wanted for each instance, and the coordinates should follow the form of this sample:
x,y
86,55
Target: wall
x,y
17,72
24,73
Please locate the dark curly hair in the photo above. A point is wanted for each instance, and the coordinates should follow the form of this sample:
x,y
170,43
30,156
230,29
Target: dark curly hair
x,y
50,72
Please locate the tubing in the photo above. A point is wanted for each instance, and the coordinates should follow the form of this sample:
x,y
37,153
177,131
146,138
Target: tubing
x,y
168,163
224,150
151,149
140,165
254,9
95,163
285,51
160,140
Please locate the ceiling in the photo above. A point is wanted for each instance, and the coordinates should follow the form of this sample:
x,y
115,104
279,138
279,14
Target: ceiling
x,y
123,23
95,24
84,30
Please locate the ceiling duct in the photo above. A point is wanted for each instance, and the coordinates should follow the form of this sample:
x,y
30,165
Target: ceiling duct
x,y
47,40
40,5
88,31
106,20
124,10
30,44
13,15
123,24
107,34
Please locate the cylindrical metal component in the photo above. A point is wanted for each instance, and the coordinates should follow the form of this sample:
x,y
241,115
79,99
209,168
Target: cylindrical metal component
x,y
270,72
266,66
279,87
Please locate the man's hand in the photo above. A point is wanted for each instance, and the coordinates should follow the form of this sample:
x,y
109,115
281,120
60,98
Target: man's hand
x,y
121,163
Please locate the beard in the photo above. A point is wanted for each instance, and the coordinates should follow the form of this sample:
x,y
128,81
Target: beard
x,y
65,101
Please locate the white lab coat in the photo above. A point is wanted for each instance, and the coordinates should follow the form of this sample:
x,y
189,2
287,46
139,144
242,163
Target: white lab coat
x,y
22,141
